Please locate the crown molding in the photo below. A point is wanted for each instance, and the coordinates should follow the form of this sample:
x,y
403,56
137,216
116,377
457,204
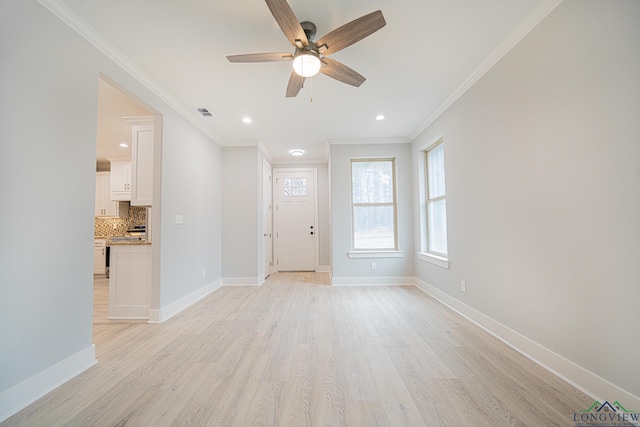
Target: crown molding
x,y
80,26
525,27
365,141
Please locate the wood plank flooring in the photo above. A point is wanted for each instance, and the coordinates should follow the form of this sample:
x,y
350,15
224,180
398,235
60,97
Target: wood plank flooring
x,y
297,352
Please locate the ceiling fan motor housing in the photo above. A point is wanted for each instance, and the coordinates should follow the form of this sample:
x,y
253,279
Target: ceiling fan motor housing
x,y
309,29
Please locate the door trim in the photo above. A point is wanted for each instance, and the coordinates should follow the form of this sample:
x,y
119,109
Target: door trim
x,y
316,245
267,217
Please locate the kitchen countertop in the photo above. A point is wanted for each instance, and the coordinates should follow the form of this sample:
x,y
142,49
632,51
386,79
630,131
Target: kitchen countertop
x,y
122,242
130,243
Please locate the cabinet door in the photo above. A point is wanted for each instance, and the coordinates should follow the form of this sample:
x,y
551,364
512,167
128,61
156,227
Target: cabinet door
x,y
99,259
104,205
100,194
121,181
142,165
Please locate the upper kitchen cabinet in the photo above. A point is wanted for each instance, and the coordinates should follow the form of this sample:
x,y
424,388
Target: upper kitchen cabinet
x,y
121,180
142,141
105,207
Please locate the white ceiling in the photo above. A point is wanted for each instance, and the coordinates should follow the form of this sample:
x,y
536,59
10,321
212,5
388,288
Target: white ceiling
x,y
113,130
413,65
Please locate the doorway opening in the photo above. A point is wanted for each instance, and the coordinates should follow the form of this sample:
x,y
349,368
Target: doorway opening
x,y
120,218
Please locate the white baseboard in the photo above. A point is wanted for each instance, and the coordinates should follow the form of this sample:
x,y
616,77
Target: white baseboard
x,y
165,313
242,281
584,380
372,281
33,388
323,269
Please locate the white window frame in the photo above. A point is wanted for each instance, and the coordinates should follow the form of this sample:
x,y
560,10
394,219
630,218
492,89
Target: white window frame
x,y
426,254
375,252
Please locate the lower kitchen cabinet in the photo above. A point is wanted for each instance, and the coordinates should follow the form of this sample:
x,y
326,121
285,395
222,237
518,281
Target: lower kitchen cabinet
x,y
129,281
99,256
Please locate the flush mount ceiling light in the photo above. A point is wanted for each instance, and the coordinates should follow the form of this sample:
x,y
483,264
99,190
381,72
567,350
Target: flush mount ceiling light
x,y
123,145
296,152
380,117
306,64
246,120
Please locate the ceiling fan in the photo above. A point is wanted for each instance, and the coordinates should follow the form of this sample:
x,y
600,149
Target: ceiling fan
x,y
310,57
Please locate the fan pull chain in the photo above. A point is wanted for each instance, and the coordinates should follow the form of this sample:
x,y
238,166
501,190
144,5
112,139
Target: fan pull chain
x,y
311,97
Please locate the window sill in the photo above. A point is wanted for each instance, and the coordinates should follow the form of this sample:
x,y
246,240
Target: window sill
x,y
376,254
434,259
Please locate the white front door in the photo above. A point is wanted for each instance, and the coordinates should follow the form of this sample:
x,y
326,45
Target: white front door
x,y
267,219
296,225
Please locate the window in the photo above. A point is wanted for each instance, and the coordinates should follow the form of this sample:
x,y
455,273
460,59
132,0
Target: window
x,y
373,204
295,187
436,201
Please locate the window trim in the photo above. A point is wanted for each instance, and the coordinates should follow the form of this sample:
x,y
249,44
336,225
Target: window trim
x,y
439,142
434,259
424,254
372,251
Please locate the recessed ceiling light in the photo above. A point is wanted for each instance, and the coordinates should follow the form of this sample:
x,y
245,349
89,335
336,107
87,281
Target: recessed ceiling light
x,y
380,117
246,120
296,152
123,145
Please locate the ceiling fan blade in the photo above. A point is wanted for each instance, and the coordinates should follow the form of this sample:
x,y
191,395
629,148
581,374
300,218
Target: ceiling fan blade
x,y
341,72
288,22
295,84
351,33
261,57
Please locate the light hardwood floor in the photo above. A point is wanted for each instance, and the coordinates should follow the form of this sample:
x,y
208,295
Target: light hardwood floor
x,y
297,352
100,299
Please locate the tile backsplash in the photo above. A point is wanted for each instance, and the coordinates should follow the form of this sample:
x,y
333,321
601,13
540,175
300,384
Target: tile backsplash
x,y
104,226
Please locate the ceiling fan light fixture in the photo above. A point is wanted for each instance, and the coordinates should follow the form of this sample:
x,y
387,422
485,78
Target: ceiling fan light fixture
x,y
306,64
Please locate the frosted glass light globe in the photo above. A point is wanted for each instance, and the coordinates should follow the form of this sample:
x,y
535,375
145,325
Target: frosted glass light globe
x,y
306,64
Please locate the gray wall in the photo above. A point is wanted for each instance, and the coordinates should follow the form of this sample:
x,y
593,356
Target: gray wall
x,y
340,166
47,185
241,210
49,86
543,183
191,187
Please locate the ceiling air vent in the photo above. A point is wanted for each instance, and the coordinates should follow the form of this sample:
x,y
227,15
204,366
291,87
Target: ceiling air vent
x,y
204,112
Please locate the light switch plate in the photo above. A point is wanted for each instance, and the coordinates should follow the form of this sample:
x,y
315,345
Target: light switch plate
x,y
179,219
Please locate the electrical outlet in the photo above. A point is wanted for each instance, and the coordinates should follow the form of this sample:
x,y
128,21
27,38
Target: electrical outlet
x,y
373,266
463,286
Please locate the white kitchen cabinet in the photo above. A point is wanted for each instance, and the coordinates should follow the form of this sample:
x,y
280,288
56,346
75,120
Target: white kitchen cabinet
x,y
121,181
105,207
129,281
99,256
142,142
